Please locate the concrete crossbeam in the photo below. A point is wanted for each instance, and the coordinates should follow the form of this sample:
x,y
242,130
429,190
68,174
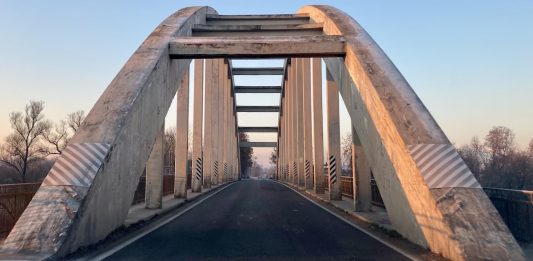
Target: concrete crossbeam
x,y
258,71
257,108
210,30
257,89
257,19
258,129
257,47
248,144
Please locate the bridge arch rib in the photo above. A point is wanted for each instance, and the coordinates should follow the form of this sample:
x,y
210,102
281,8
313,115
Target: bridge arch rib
x,y
455,219
64,214
396,132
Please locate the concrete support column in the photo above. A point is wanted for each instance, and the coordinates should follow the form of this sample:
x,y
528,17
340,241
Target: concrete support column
x,y
362,173
293,124
215,121
208,125
318,138
182,137
226,128
286,130
220,121
153,196
334,141
300,121
197,151
307,124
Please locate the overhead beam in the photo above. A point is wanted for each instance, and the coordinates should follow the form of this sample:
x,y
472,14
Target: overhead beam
x,y
256,30
257,89
258,19
248,144
257,47
258,129
259,71
257,108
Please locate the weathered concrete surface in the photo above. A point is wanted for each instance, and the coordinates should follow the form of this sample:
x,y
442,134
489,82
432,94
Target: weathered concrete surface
x,y
182,136
128,116
257,47
388,116
318,137
154,173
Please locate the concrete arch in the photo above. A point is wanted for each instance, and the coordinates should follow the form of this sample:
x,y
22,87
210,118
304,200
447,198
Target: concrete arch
x,y
456,220
70,212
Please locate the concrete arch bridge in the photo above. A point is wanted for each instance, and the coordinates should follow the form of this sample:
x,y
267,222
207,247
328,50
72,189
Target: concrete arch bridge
x,y
431,197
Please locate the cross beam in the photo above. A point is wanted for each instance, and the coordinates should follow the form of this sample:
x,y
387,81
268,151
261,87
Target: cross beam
x,y
258,129
248,144
257,89
257,47
257,108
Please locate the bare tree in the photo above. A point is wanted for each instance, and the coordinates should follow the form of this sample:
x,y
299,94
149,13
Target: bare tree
x,y
75,119
59,136
21,147
274,156
500,143
346,151
246,154
475,156
170,148
530,148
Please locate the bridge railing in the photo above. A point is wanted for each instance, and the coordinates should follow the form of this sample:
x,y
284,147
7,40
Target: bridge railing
x,y
14,198
347,186
347,190
516,209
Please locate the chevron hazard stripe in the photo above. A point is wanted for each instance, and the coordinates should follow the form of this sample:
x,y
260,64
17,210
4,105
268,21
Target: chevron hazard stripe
x,y
77,165
442,167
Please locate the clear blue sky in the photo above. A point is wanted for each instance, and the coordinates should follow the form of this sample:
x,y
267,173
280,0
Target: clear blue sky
x,y
470,62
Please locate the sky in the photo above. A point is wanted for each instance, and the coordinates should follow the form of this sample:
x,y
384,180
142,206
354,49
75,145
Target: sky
x,y
470,62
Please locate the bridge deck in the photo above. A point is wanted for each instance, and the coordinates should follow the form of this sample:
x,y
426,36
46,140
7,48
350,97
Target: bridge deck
x,y
257,220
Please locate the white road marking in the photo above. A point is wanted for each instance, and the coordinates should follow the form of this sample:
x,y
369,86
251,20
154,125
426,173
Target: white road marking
x,y
163,222
352,224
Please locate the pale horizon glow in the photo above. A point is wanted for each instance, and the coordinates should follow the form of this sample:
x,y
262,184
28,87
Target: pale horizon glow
x,y
469,62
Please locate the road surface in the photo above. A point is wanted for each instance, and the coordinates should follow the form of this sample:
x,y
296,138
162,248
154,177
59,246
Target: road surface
x,y
257,220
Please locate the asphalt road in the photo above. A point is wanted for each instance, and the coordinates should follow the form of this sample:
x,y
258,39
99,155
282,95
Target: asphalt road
x,y
257,220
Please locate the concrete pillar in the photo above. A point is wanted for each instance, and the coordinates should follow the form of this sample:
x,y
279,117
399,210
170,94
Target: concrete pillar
x,y
208,124
293,124
362,189
286,131
318,138
226,128
334,141
215,120
300,121
154,174
220,121
197,151
182,137
307,124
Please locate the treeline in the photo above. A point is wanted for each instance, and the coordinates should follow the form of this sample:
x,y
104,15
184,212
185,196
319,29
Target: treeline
x,y
30,150
495,161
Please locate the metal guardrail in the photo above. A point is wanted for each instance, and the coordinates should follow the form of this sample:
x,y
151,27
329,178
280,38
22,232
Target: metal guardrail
x,y
14,198
347,186
516,209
